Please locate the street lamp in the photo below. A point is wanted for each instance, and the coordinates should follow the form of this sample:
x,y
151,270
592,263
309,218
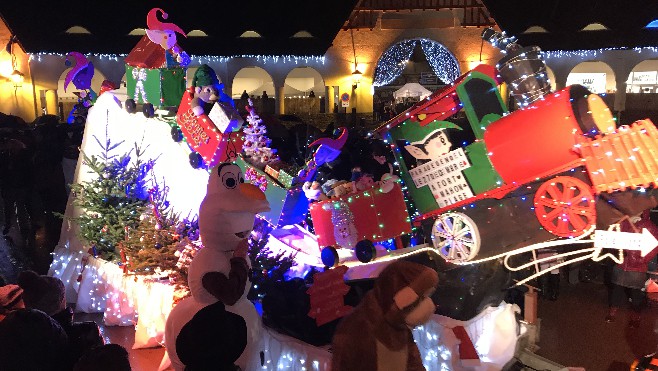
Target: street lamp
x,y
356,78
17,77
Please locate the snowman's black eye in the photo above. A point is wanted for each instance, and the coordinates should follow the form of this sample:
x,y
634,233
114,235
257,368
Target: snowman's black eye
x,y
230,180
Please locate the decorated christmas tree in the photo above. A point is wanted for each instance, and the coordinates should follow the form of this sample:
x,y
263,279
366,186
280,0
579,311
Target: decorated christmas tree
x,y
266,266
113,201
150,247
256,144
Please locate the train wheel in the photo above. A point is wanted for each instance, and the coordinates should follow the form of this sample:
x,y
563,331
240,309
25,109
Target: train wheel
x,y
195,160
456,237
131,106
176,134
329,256
365,251
148,110
565,206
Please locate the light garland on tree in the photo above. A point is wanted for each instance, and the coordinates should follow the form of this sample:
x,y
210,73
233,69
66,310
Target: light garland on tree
x,y
394,59
256,144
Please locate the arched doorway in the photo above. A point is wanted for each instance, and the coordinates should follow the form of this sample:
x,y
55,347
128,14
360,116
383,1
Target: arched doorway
x,y
641,97
405,68
597,77
304,91
643,79
256,83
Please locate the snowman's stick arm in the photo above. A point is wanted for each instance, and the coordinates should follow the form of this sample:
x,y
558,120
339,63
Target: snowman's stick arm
x,y
228,290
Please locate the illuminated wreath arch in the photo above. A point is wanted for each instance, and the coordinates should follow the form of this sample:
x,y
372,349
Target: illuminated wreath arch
x,y
392,62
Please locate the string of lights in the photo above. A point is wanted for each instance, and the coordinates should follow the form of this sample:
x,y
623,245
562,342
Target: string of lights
x,y
395,58
443,63
392,62
593,53
201,59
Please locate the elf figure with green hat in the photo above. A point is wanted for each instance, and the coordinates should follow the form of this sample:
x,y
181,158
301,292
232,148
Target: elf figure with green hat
x,y
207,91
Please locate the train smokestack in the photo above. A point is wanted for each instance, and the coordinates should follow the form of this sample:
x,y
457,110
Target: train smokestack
x,y
523,69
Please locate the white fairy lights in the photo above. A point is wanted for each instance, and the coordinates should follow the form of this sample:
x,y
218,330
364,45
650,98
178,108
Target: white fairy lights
x,y
201,59
594,53
394,59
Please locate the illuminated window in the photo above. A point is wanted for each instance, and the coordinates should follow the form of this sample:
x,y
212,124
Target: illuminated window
x,y
137,32
302,34
197,33
594,27
652,24
535,29
78,30
250,34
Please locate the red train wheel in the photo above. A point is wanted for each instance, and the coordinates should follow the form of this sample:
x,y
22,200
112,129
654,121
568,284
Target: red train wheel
x,y
565,206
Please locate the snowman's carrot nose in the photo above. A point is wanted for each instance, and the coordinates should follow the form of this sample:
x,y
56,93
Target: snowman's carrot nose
x,y
251,191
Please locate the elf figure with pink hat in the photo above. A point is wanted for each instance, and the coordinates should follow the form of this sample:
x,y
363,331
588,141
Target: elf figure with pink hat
x,y
164,34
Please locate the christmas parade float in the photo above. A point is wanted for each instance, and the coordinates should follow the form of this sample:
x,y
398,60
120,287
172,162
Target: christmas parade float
x,y
457,183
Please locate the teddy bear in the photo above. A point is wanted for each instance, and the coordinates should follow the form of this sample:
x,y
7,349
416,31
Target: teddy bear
x,y
217,327
377,336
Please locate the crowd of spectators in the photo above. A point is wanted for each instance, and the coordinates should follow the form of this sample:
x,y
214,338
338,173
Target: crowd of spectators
x,y
37,331
33,187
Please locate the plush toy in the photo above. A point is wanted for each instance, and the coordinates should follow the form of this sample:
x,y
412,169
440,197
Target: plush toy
x,y
207,91
313,191
217,327
377,336
364,182
341,188
387,182
345,232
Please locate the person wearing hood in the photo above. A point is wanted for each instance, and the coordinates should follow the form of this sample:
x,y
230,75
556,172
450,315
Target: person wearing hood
x,y
629,277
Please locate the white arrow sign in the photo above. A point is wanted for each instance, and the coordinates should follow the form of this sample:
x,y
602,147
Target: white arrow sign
x,y
644,242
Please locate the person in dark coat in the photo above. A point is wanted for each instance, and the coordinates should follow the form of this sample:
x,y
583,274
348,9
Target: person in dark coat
x,y
109,357
31,340
629,277
16,183
48,295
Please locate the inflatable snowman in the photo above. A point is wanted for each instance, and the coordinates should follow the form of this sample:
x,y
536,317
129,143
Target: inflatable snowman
x,y
217,327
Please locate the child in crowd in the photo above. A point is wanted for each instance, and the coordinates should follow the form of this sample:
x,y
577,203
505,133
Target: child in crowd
x,y
49,295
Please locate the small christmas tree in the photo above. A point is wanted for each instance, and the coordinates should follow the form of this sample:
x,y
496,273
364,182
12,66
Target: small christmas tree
x,y
151,246
113,201
256,144
266,267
